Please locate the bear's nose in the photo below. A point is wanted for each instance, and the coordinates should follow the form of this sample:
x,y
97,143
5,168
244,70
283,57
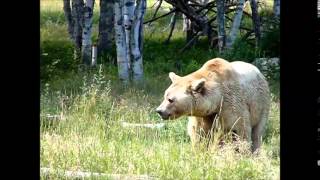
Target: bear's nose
x,y
159,111
163,114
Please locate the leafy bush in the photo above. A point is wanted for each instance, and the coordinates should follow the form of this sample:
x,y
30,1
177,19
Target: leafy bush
x,y
270,41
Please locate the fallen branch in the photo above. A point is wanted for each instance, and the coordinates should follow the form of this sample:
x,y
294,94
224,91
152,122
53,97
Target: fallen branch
x,y
190,42
53,117
152,126
164,15
81,175
155,3
247,35
172,24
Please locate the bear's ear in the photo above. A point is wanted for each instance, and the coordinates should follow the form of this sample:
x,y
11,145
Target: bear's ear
x,y
173,76
198,85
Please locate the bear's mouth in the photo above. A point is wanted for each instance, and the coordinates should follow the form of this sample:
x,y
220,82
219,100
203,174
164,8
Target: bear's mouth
x,y
169,116
164,116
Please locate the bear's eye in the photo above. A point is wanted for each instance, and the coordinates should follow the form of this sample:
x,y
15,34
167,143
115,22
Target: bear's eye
x,y
170,100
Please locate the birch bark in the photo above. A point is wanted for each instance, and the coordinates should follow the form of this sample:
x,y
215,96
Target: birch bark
x,y
137,41
87,31
120,39
235,25
221,24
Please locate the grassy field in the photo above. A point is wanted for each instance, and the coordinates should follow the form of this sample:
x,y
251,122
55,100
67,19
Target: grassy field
x,y
92,105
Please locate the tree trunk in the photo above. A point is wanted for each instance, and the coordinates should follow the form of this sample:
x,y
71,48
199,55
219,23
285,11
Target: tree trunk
x,y
120,39
221,25
68,16
235,25
188,27
189,30
87,31
194,22
129,37
276,8
77,14
94,56
255,20
128,13
106,28
185,23
137,41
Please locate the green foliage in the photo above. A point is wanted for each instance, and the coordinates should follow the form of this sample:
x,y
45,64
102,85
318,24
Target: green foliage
x,y
241,51
270,41
56,57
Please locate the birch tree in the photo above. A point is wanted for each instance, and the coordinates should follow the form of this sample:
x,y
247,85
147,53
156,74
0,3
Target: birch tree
x,y
276,8
129,8
129,38
221,24
137,41
79,20
235,25
87,31
120,39
106,26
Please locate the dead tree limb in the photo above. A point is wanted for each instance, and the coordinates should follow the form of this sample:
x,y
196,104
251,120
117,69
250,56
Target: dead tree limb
x,y
198,34
93,175
172,24
246,36
156,11
164,15
155,3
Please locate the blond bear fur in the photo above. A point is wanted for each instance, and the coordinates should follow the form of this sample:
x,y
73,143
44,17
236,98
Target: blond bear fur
x,y
237,90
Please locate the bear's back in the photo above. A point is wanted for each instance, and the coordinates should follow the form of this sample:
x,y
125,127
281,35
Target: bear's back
x,y
245,71
254,87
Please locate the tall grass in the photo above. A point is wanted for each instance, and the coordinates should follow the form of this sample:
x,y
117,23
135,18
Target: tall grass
x,y
91,138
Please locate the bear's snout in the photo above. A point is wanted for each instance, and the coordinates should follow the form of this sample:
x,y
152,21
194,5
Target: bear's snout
x,y
164,115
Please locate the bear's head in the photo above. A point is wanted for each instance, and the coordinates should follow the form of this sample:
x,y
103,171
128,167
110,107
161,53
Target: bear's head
x,y
192,95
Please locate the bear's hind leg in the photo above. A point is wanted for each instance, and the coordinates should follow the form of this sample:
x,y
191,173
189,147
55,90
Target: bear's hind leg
x,y
257,132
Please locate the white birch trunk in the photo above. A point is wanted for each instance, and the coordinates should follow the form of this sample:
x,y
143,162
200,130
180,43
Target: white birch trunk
x,y
276,8
235,25
86,33
120,39
128,13
221,23
137,41
94,55
186,23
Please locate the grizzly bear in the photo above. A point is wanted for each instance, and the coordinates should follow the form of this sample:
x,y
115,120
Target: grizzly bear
x,y
236,90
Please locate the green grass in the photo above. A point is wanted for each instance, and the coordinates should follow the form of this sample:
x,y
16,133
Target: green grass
x,y
93,104
90,138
